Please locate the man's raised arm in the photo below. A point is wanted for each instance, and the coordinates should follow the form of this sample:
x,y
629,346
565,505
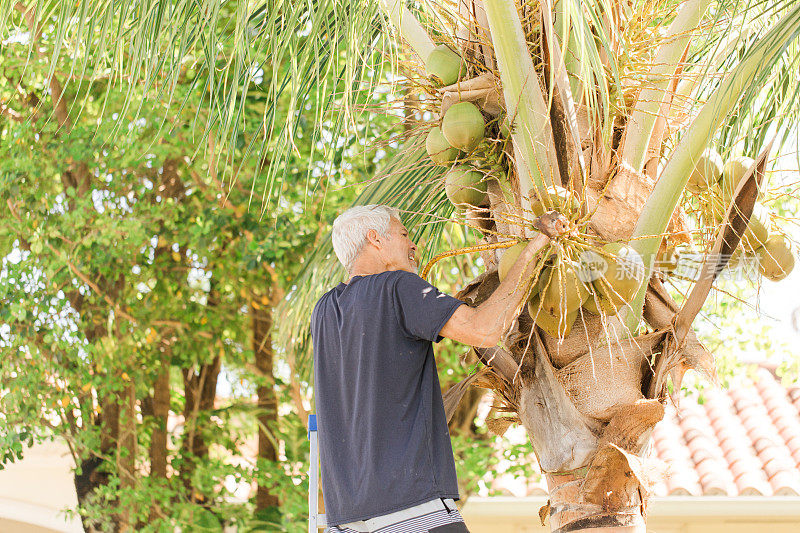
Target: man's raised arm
x,y
483,326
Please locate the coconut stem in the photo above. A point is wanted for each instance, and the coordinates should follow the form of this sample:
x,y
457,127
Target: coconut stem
x,y
467,250
526,107
409,27
646,111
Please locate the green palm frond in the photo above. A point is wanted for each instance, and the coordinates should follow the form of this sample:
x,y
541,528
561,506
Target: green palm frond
x,y
288,51
576,25
770,99
733,101
410,183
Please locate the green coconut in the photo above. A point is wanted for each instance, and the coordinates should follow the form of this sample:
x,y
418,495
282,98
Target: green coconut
x,y
562,289
706,171
558,325
463,126
732,173
444,66
776,258
554,199
597,304
624,275
757,232
465,187
736,256
510,256
438,148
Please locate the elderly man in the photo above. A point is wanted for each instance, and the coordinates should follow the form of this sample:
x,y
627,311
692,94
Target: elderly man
x,y
387,463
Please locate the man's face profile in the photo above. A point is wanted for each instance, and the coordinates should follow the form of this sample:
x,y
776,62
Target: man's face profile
x,y
399,252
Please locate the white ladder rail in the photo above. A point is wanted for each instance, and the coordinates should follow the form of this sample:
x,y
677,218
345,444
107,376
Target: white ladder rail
x,y
315,519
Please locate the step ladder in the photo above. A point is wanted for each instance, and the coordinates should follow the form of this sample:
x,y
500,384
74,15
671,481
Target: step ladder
x,y
315,519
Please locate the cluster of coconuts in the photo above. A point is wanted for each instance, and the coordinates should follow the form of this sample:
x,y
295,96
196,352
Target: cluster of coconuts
x,y
462,130
599,282
772,250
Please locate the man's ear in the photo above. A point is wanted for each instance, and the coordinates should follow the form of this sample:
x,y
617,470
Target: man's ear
x,y
374,239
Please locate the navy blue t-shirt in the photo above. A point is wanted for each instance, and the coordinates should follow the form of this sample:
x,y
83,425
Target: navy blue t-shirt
x,y
384,442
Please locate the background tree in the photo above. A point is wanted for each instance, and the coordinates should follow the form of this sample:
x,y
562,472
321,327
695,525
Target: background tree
x,y
136,286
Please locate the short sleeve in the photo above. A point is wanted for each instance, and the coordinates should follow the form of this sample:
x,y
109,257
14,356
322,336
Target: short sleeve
x,y
422,310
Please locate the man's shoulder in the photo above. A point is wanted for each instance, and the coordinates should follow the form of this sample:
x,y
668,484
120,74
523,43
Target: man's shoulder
x,y
321,302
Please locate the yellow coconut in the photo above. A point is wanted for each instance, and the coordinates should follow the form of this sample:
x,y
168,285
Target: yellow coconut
x,y
563,291
707,171
732,173
558,325
556,198
463,126
776,258
444,66
757,232
597,304
510,256
438,148
624,275
465,187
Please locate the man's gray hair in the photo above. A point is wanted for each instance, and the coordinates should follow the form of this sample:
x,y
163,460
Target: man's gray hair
x,y
351,227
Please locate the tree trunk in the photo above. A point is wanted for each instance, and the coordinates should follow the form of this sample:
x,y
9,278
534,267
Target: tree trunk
x,y
158,438
582,406
261,313
200,391
91,476
126,452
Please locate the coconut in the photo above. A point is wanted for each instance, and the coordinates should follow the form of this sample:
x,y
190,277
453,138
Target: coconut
x,y
624,275
510,256
706,172
562,290
757,232
444,66
732,173
465,187
463,126
555,198
597,304
776,258
558,325
438,148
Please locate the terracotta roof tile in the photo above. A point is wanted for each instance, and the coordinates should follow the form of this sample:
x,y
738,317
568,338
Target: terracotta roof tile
x,y
743,441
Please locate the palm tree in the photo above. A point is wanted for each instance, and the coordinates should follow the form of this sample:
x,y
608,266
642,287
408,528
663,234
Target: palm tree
x,y
615,115
618,114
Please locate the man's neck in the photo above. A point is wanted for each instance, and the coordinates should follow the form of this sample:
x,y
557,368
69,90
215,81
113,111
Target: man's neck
x,y
366,270
361,275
